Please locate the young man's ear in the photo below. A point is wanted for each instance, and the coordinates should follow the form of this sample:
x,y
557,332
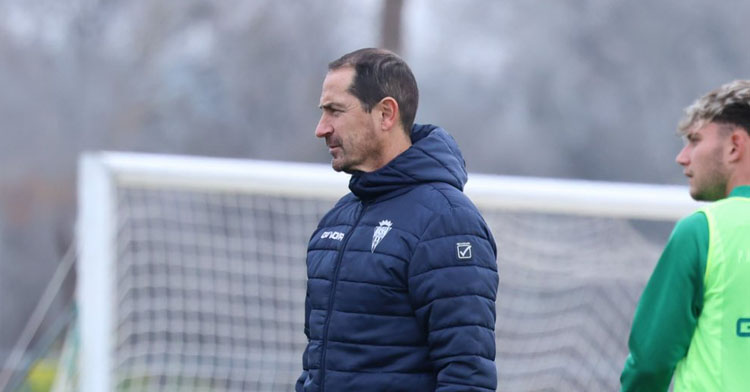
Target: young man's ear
x,y
738,144
389,113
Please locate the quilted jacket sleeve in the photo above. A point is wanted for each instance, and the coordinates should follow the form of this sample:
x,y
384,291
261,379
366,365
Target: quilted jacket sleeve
x,y
298,387
452,286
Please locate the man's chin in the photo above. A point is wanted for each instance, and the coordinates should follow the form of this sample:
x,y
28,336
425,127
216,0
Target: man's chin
x,y
346,167
339,167
346,170
697,194
706,195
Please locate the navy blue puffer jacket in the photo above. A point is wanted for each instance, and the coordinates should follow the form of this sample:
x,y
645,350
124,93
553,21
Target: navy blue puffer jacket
x,y
402,280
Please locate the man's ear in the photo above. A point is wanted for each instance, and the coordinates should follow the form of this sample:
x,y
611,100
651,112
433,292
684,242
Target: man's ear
x,y
389,113
738,144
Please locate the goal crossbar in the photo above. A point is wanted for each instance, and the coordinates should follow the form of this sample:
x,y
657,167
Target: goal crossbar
x,y
565,196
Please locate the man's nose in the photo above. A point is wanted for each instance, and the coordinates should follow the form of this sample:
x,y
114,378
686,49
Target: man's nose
x,y
682,157
323,128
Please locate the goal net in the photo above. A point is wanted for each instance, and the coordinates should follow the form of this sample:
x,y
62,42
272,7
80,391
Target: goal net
x,y
191,272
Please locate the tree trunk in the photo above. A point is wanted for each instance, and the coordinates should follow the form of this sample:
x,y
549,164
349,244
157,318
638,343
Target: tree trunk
x,y
391,28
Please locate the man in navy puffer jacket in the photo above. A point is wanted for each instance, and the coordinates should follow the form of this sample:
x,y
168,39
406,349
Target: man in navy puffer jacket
x,y
402,272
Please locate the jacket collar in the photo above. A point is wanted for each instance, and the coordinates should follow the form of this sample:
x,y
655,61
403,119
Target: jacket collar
x,y
433,157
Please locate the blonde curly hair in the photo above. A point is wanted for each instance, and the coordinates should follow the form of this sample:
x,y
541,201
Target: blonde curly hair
x,y
728,104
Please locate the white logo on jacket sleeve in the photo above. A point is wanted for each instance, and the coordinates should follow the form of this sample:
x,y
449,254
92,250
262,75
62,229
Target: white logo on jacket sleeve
x,y
383,228
464,250
334,235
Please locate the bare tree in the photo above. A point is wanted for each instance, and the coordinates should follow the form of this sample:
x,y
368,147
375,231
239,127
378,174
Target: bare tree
x,y
390,33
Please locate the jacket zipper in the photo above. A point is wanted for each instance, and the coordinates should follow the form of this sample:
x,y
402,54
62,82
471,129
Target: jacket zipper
x,y
330,299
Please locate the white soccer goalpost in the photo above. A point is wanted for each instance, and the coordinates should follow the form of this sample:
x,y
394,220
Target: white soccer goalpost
x,y
191,271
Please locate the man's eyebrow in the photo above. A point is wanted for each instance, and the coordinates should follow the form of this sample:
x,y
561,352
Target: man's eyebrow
x,y
328,105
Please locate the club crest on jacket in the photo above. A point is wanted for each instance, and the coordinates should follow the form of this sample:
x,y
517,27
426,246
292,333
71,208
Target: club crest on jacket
x,y
383,228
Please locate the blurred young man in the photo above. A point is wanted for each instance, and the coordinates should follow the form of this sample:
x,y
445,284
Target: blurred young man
x,y
693,318
402,272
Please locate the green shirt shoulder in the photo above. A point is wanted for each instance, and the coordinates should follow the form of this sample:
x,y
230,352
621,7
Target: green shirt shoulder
x,y
669,307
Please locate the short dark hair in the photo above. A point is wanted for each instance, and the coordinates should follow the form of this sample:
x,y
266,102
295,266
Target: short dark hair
x,y
379,73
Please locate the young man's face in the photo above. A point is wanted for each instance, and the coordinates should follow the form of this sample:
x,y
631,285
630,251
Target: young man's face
x,y
703,161
349,130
